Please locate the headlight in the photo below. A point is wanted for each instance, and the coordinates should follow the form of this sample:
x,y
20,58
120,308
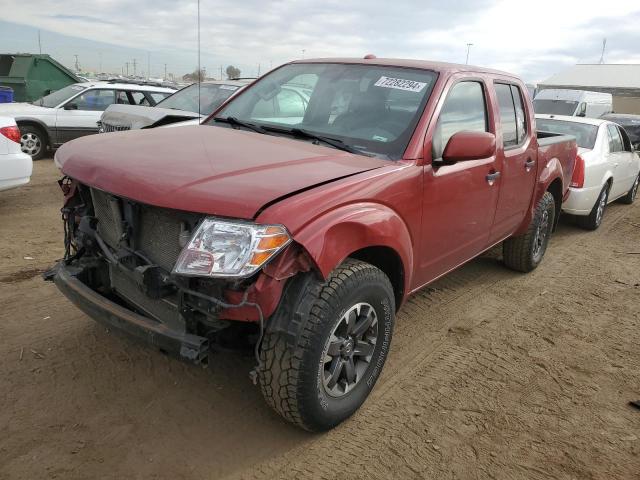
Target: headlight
x,y
220,248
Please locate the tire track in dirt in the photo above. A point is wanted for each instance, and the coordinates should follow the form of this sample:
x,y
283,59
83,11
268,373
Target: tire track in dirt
x,y
492,374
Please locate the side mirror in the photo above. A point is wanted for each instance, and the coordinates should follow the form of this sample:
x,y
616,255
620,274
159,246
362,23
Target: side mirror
x,y
467,145
71,106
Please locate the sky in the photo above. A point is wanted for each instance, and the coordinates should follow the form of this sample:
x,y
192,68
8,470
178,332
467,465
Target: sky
x,y
533,39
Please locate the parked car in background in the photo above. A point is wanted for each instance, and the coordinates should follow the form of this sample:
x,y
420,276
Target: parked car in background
x,y
180,107
607,169
73,112
578,103
631,125
308,223
15,166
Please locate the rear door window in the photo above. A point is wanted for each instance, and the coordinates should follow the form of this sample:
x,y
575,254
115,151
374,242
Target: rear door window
x,y
522,126
138,98
122,98
464,109
507,115
615,140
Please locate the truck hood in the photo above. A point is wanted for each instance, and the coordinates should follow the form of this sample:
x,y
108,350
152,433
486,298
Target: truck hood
x,y
23,108
206,169
136,116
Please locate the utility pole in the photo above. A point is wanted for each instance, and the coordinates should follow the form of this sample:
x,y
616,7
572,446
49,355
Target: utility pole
x,y
77,66
100,57
165,71
134,67
220,72
604,46
258,70
469,45
127,64
39,43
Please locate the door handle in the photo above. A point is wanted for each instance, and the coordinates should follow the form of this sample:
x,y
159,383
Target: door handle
x,y
492,177
528,165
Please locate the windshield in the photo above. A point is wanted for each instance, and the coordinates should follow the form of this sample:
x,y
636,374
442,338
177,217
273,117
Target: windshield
x,y
368,108
211,97
56,98
585,134
554,107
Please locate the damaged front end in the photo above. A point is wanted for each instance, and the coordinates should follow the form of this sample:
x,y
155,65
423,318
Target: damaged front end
x,y
118,267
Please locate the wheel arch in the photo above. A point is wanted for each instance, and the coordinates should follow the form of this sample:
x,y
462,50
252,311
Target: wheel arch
x,y
365,231
38,124
387,260
555,189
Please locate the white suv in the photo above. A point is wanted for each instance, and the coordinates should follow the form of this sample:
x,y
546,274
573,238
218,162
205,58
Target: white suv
x,y
73,112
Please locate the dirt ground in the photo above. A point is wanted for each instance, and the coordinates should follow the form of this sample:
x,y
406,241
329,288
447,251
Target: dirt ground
x,y
492,374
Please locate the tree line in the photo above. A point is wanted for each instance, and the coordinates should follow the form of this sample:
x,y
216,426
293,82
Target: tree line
x,y
232,72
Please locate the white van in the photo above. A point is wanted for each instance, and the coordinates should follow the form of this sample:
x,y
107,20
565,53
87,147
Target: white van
x,y
575,103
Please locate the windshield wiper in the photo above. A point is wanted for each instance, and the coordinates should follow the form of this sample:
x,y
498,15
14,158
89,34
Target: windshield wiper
x,y
334,142
239,123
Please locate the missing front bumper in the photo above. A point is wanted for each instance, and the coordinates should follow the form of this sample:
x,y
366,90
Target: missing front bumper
x,y
184,345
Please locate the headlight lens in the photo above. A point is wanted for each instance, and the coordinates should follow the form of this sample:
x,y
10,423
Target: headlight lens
x,y
220,248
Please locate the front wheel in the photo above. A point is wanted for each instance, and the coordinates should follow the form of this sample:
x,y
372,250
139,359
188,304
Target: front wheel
x,y
328,372
524,252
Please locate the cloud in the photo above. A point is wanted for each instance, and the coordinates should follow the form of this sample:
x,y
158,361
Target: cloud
x,y
533,39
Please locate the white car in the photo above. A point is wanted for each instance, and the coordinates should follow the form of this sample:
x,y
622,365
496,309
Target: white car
x,y
73,112
606,168
179,109
15,166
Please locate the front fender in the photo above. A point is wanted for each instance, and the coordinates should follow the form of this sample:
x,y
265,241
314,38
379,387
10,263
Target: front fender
x,y
337,234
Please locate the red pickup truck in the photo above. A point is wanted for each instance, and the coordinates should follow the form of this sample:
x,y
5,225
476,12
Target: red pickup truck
x,y
304,213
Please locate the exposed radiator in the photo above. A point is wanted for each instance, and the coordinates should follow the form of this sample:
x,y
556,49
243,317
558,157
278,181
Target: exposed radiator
x,y
157,233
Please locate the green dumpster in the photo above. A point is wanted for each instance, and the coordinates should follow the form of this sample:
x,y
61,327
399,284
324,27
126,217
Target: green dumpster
x,y
33,76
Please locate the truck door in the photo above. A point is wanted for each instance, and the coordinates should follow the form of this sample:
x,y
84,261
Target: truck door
x,y
518,151
79,116
459,200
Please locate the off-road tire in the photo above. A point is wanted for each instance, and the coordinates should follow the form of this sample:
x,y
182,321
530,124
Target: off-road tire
x,y
519,253
42,138
291,370
593,220
630,197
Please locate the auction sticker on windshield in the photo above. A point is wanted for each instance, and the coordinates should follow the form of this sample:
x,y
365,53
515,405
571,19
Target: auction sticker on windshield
x,y
400,84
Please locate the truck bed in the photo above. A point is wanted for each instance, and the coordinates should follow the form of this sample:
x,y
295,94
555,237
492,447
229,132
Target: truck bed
x,y
554,147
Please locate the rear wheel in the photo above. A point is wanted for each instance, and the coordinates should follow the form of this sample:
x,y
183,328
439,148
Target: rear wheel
x,y
33,141
327,373
524,252
594,219
631,194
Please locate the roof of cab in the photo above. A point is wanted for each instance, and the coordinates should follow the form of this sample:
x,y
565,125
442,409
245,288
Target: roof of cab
x,y
409,63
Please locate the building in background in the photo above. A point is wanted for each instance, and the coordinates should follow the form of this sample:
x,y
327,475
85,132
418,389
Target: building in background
x,y
620,80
